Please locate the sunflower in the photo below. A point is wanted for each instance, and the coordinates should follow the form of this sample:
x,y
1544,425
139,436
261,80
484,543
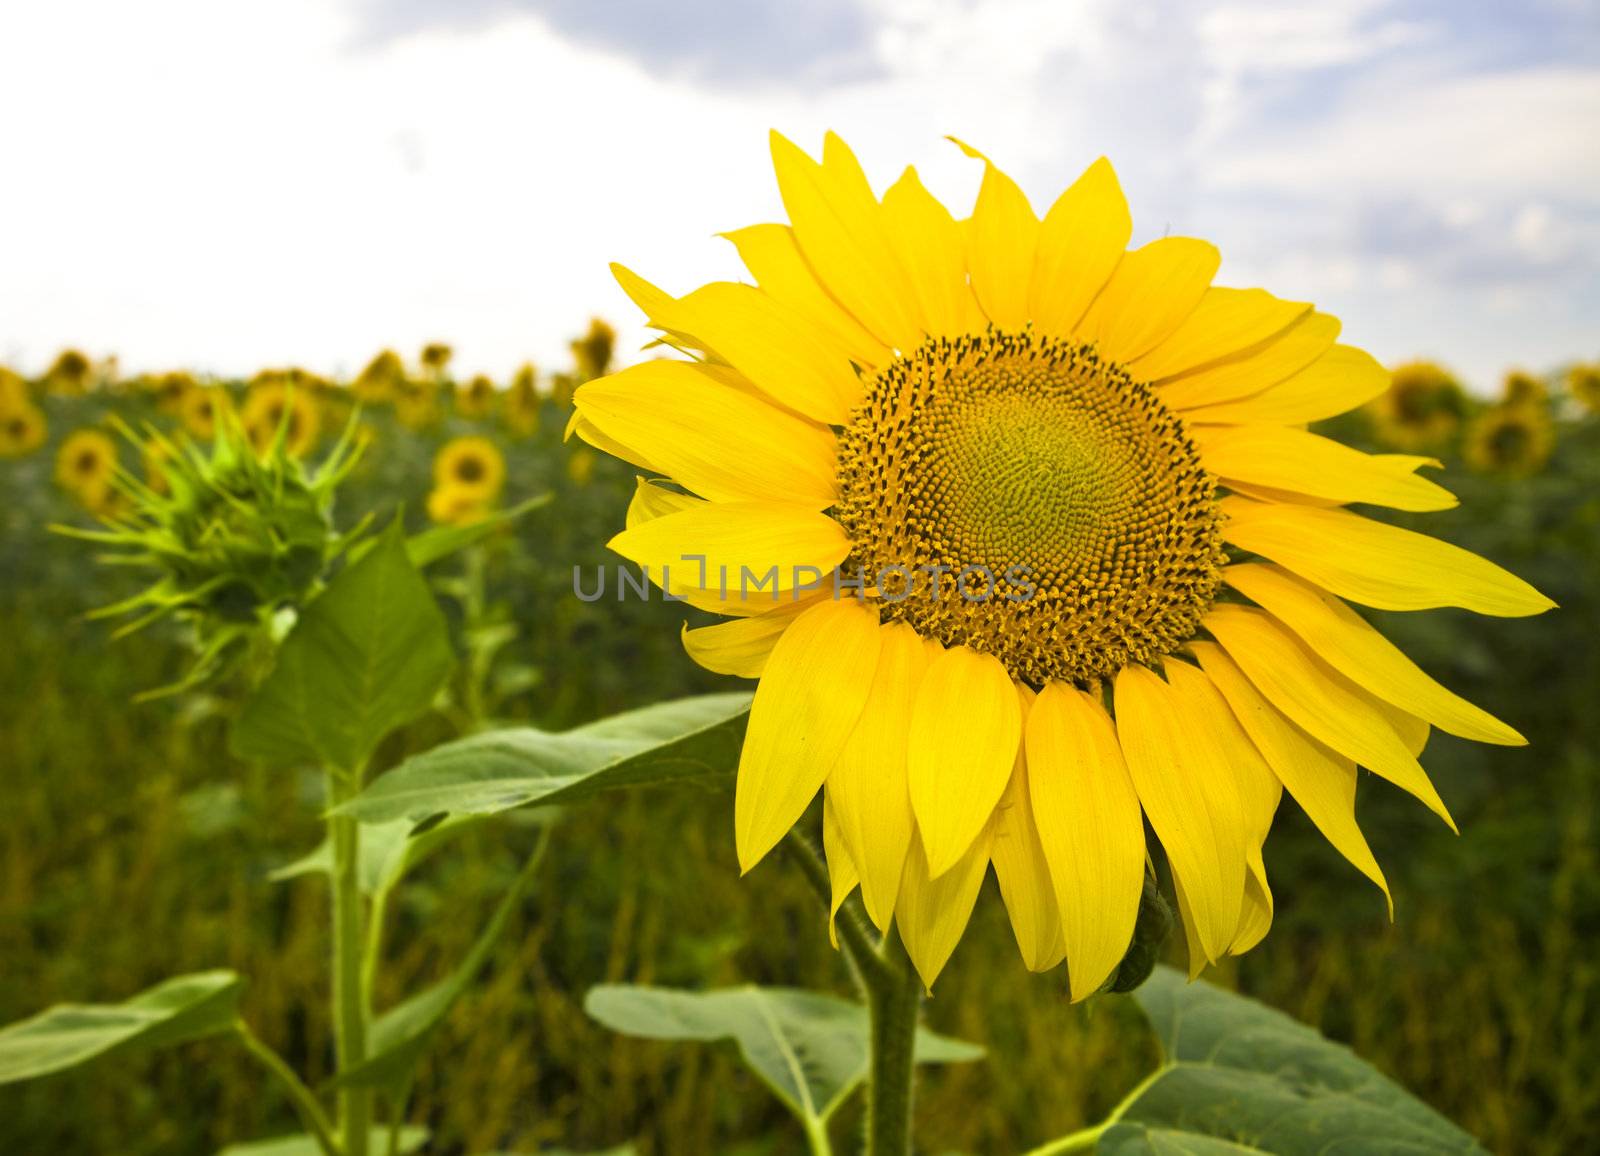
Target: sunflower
x,y
198,411
1522,388
1024,537
1583,383
477,398
23,429
69,374
170,391
1422,408
86,467
452,505
273,405
470,465
592,352
14,391
416,403
380,379
522,402
1514,440
435,358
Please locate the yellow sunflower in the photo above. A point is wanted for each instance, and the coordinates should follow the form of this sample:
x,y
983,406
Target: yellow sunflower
x,y
1026,541
470,465
453,505
435,358
592,352
522,402
69,374
198,411
1509,439
86,466
1423,406
1522,388
272,405
14,391
1583,383
170,391
380,379
23,429
476,398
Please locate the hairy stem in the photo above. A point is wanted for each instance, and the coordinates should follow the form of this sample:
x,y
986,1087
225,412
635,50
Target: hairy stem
x,y
311,1113
894,1005
349,994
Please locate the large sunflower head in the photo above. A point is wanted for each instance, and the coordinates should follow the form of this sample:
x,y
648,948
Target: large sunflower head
x,y
1422,408
1508,439
470,465
23,429
1023,534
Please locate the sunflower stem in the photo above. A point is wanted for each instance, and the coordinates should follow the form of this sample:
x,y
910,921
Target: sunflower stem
x,y
349,991
894,1007
859,943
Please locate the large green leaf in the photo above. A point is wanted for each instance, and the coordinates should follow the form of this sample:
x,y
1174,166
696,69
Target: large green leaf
x,y
1240,1077
411,1140
400,1034
684,739
810,1049
186,1007
367,655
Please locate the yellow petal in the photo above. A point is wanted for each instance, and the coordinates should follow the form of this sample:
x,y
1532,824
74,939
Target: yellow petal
x,y
838,224
1346,642
774,260
1255,914
1226,323
1376,564
1251,372
586,430
1080,242
1192,798
1299,462
1001,239
1340,380
808,701
652,500
723,443
1152,292
842,877
1322,781
1318,698
965,728
928,243
932,912
742,646
1021,869
1087,814
1191,937
757,553
868,784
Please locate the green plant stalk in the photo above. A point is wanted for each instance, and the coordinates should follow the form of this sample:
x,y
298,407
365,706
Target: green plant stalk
x,y
893,1004
1085,1139
311,1113
349,950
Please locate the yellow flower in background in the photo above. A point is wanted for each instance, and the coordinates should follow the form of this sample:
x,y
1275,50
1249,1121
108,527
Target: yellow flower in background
x,y
23,429
1583,383
199,409
1522,388
470,465
416,404
435,358
1423,407
1104,565
522,402
1511,439
562,386
171,390
477,398
157,454
592,352
271,405
14,391
380,380
86,466
69,374
450,505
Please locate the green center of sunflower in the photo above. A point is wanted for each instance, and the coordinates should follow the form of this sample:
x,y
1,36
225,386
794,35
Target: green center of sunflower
x,y
1016,494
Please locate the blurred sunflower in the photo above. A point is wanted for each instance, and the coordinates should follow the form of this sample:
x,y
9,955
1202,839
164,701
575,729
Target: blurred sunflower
x,y
435,358
1509,439
1422,408
170,391
23,429
273,405
452,505
380,379
86,467
157,456
1583,383
477,398
470,465
522,402
13,389
416,403
592,352
69,374
1017,433
198,411
1522,388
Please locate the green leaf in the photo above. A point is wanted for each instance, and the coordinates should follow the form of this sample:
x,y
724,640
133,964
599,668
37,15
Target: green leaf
x,y
411,1140
187,1007
367,655
687,738
400,1034
810,1049
1240,1077
439,542
388,851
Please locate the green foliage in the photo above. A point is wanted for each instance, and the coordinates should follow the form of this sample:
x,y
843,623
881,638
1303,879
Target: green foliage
x,y
810,1049
691,738
365,657
409,1140
188,1007
1239,1077
440,542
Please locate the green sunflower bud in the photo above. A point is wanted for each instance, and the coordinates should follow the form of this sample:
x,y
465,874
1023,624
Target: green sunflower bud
x,y
1150,931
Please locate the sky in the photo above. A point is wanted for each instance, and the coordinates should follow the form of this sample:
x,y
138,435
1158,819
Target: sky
x,y
224,186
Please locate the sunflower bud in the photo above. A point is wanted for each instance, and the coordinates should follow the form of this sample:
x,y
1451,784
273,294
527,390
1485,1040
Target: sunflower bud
x,y
1150,931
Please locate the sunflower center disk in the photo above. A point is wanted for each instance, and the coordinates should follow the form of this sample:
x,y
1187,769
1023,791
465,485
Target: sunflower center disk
x,y
1017,494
